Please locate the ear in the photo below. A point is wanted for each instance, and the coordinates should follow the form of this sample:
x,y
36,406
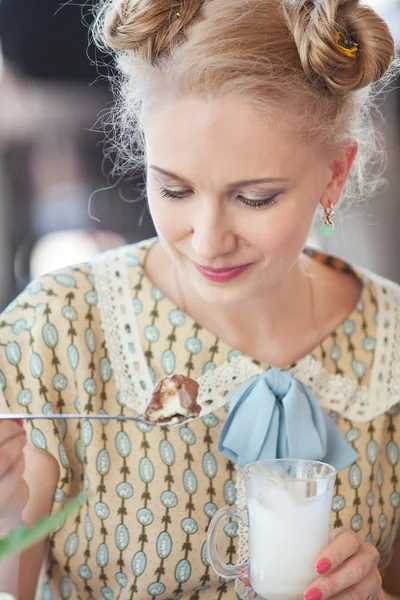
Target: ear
x,y
339,170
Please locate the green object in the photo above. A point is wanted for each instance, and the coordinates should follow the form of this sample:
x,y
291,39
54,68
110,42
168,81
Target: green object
x,y
326,230
22,537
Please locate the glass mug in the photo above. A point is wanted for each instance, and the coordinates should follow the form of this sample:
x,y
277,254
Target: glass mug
x,y
288,516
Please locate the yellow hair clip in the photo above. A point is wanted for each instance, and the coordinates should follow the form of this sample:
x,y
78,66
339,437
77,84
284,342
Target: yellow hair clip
x,y
346,44
178,14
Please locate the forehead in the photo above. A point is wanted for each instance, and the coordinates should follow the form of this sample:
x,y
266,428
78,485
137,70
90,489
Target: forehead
x,y
219,136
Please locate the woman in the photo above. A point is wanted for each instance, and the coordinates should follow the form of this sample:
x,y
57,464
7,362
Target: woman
x,y
251,114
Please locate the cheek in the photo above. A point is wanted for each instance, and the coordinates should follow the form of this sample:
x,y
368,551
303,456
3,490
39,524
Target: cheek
x,y
282,229
168,217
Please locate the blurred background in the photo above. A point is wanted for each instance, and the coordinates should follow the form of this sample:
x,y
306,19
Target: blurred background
x,y
58,204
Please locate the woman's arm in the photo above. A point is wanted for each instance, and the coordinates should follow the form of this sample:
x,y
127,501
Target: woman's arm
x,y
19,575
41,475
391,582
9,568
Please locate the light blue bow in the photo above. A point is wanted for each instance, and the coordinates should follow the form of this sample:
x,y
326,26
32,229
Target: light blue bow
x,y
277,416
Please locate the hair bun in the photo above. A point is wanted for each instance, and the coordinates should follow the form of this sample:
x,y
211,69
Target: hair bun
x,y
148,27
315,25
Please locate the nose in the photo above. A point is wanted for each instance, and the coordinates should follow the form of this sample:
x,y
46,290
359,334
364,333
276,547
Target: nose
x,y
213,235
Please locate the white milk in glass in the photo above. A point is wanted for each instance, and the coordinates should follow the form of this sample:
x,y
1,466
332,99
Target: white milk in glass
x,y
288,530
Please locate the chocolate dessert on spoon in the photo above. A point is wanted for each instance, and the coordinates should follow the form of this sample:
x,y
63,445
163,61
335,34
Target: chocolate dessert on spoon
x,y
173,401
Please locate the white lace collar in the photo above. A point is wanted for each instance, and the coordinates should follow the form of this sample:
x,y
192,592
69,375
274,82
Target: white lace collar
x,y
344,396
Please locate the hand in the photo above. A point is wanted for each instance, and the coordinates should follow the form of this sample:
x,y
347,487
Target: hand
x,y
349,569
14,492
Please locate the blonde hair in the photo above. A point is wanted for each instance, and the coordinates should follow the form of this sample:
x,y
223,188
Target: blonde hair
x,y
280,55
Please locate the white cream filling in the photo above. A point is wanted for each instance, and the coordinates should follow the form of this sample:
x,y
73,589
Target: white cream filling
x,y
171,403
170,408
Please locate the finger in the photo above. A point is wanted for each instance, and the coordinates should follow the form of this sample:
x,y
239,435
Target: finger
x,y
10,453
369,586
10,482
335,532
338,531
348,574
9,430
245,572
345,543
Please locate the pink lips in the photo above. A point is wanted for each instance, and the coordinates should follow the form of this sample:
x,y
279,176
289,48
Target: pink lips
x,y
221,275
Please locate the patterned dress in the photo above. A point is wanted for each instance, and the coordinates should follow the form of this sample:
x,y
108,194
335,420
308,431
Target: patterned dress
x,y
94,338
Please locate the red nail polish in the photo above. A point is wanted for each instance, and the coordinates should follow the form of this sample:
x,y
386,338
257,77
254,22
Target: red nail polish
x,y
313,594
323,566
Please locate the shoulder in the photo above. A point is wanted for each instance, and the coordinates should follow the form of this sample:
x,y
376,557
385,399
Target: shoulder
x,y
385,295
47,291
64,287
378,280
40,312
359,376
38,327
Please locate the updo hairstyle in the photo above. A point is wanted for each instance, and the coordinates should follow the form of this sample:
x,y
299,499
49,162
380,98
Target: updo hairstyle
x,y
280,55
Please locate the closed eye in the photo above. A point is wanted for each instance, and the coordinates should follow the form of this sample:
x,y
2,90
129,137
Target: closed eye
x,y
180,194
174,194
257,204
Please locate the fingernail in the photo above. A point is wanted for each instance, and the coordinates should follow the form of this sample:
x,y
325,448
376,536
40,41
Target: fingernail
x,y
20,422
313,594
323,565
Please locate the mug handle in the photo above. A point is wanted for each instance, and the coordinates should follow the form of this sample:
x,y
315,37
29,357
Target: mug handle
x,y
222,569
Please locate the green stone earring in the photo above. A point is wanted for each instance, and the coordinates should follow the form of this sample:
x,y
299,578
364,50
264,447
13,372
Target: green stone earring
x,y
328,223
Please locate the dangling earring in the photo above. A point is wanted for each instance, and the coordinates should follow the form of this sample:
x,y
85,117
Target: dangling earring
x,y
328,223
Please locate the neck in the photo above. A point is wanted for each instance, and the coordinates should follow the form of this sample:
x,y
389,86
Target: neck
x,y
283,314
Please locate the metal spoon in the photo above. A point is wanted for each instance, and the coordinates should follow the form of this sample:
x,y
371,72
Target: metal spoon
x,y
98,417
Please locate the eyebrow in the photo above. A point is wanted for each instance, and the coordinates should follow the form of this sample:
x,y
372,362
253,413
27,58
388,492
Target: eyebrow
x,y
231,185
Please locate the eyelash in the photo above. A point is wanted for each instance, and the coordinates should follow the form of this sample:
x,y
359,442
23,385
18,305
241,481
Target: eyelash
x,y
262,204
165,193
173,195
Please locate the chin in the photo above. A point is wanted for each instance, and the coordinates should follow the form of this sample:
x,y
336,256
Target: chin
x,y
222,295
